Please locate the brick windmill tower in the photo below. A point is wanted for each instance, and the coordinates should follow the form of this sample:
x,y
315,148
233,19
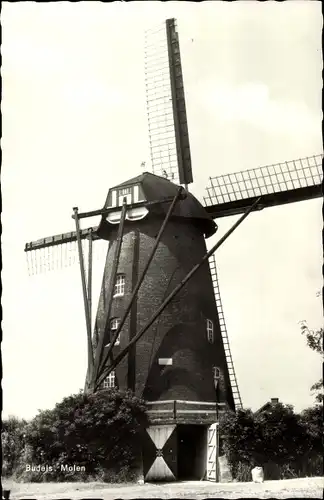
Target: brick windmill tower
x,y
160,328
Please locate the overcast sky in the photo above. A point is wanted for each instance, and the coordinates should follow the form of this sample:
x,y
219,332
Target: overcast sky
x,y
74,124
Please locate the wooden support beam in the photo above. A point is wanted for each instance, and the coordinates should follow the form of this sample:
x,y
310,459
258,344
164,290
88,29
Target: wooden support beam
x,y
143,274
176,290
85,297
99,350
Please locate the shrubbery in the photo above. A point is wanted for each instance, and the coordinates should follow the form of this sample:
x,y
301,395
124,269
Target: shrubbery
x,y
13,443
100,432
103,433
285,444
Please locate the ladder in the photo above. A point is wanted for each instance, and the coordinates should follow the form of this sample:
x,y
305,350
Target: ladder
x,y
223,329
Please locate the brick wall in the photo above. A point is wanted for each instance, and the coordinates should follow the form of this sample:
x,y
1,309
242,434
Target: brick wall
x,y
180,331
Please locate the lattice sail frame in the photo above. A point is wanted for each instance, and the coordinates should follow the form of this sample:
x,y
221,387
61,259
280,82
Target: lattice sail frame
x,y
45,258
271,179
165,102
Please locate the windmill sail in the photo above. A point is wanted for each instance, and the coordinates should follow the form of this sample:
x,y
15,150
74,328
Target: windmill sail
x,y
282,183
60,251
169,138
166,108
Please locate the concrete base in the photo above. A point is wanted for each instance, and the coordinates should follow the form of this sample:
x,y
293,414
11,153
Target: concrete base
x,y
225,475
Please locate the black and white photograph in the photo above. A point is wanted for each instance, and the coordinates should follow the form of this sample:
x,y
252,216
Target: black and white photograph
x,y
162,330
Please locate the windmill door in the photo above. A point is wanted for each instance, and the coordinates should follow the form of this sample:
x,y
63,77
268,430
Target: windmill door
x,y
160,453
212,452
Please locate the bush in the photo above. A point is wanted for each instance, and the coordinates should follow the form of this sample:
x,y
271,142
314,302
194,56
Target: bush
x,y
285,444
311,420
239,436
99,434
12,442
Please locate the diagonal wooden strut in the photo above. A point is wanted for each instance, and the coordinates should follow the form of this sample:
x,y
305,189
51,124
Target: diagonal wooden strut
x,y
123,353
89,296
98,353
85,294
141,278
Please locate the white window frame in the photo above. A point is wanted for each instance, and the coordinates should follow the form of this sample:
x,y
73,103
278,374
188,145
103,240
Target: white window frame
x,y
119,288
210,330
125,193
114,324
216,372
110,381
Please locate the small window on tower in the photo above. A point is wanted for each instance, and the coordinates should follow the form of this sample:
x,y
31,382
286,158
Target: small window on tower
x,y
210,330
114,324
109,381
119,285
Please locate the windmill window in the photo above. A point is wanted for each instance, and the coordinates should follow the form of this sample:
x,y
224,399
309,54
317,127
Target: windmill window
x,y
114,324
124,193
109,381
119,285
210,330
216,373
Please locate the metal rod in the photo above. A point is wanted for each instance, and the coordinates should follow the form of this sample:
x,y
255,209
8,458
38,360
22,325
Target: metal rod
x,y
123,353
84,291
99,349
142,276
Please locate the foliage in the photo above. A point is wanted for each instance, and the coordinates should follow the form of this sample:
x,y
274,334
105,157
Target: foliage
x,y
285,444
97,433
12,441
314,340
312,421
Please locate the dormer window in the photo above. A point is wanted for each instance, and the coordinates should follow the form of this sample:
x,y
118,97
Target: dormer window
x,y
210,330
124,193
119,285
133,194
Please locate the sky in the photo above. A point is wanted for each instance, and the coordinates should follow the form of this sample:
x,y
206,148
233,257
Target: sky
x,y
74,124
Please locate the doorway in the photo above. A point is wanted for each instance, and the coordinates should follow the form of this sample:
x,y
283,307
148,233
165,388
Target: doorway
x,y
192,449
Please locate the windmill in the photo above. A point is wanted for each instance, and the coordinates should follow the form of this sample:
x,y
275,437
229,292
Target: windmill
x,y
160,328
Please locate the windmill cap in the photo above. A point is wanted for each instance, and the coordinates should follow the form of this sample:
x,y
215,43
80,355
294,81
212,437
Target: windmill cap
x,y
152,187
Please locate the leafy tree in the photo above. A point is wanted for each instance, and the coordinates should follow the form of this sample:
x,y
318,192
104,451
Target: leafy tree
x,y
239,439
275,438
312,422
282,439
12,441
314,340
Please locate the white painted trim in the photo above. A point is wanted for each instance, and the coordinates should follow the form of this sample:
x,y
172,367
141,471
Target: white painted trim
x,y
212,410
159,411
114,198
135,193
165,361
171,401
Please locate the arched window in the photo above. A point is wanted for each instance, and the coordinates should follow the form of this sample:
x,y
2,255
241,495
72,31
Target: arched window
x,y
119,285
216,373
109,381
210,330
114,324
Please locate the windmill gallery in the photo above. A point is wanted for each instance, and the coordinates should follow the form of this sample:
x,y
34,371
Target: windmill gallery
x,y
160,329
